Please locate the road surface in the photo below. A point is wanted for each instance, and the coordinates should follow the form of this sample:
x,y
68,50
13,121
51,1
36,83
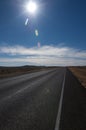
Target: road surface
x,y
31,101
73,113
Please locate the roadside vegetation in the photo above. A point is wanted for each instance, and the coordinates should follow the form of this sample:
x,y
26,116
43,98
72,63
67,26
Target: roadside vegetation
x,y
15,71
80,73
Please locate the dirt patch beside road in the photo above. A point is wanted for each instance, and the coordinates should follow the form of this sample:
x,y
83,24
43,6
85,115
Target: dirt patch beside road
x,y
80,73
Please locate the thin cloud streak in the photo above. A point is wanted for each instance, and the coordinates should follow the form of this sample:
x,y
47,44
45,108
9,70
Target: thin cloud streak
x,y
45,55
43,61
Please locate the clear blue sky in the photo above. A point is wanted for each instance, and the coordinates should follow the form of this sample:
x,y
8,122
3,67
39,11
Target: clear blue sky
x,y
62,30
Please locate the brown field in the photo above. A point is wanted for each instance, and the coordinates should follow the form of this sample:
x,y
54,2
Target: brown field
x,y
6,72
80,73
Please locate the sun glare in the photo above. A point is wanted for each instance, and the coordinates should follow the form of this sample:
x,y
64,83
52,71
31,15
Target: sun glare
x,y
31,7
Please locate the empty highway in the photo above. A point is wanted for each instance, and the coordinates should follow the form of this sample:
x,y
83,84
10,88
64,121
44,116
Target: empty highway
x,y
44,100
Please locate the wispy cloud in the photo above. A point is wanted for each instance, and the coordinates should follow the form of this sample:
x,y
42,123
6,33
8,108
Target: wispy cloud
x,y
44,55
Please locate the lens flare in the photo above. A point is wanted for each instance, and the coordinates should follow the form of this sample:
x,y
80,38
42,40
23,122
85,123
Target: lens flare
x,y
36,32
26,22
38,44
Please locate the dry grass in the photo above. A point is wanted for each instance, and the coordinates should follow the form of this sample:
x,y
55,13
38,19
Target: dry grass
x,y
80,73
14,71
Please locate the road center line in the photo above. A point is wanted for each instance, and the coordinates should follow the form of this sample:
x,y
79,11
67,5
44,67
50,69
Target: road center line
x,y
60,105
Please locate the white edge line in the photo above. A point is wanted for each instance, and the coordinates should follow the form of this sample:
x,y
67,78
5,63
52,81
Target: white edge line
x,y
60,105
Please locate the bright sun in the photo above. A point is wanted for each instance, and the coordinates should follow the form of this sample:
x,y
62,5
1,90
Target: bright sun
x,y
31,7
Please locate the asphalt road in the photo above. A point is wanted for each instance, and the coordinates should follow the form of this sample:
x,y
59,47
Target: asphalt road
x,y
73,113
31,101
46,100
